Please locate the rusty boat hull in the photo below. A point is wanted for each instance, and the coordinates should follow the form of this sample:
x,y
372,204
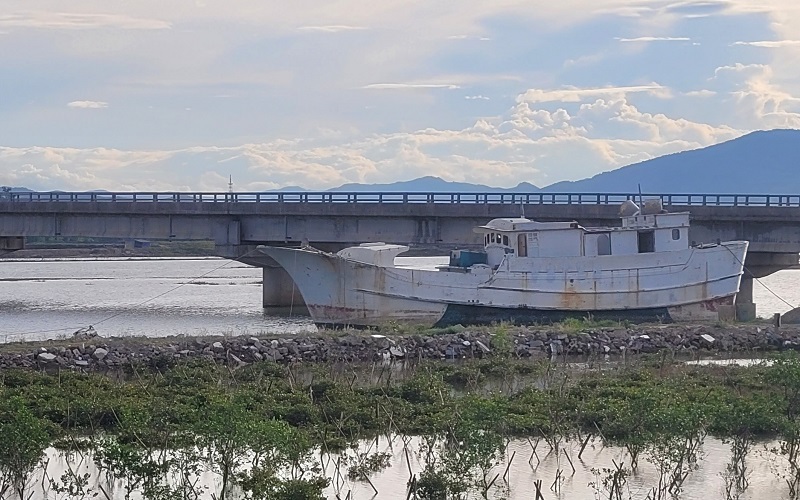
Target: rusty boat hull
x,y
685,285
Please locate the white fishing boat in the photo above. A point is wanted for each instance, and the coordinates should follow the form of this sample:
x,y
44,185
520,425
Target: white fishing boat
x,y
529,272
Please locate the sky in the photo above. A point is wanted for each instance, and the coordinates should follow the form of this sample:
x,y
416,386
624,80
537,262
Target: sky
x,y
181,95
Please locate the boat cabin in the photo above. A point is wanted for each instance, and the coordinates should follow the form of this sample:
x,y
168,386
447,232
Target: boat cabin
x,y
639,233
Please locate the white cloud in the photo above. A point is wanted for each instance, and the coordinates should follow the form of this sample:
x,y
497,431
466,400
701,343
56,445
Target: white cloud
x,y
771,44
574,94
335,28
410,86
476,98
469,37
88,104
700,93
756,98
76,21
741,68
654,39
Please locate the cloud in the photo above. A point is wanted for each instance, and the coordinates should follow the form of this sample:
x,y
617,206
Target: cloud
x,y
756,98
524,143
476,97
410,86
771,44
698,8
754,69
74,21
336,28
574,94
700,93
469,37
654,39
88,104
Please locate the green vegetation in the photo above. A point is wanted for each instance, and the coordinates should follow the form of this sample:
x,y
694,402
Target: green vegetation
x,y
265,429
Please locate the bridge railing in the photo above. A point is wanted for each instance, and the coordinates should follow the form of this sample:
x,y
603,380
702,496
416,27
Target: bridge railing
x,y
730,200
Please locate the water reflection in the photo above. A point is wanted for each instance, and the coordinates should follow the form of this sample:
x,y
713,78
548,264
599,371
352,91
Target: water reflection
x,y
526,463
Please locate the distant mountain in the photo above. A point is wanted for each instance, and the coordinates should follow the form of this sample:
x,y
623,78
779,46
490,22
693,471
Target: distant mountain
x,y
432,184
764,162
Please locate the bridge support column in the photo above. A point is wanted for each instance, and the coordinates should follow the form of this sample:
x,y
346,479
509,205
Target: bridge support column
x,y
745,307
280,294
11,243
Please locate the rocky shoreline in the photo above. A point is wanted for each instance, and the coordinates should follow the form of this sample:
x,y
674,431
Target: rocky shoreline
x,y
100,354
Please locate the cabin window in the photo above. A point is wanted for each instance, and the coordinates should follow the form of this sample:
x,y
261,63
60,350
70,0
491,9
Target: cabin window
x,y
647,242
676,234
505,240
603,244
522,245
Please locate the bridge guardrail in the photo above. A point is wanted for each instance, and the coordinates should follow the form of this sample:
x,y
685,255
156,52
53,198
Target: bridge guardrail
x,y
732,200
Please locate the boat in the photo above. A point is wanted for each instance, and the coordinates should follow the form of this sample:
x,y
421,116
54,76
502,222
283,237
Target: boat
x,y
646,269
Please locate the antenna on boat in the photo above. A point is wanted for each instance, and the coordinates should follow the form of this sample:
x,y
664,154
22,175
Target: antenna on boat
x,y
641,201
230,184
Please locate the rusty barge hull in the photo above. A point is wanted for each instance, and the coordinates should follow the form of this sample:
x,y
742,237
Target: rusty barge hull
x,y
684,285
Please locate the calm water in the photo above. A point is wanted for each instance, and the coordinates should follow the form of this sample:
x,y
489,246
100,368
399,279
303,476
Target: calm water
x,y
158,297
525,469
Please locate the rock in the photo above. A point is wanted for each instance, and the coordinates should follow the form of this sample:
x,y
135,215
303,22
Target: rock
x,y
619,333
257,356
100,353
236,360
46,357
708,338
482,346
217,346
397,352
82,363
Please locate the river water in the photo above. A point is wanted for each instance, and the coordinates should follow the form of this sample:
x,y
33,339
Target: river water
x,y
524,469
45,299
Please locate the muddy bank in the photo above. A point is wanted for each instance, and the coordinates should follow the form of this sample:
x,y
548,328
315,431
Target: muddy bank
x,y
97,353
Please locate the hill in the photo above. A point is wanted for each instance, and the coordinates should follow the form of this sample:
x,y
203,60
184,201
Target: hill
x,y
430,184
763,162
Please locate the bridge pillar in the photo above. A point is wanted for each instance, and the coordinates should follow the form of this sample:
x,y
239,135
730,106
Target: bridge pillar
x,y
745,307
280,294
11,243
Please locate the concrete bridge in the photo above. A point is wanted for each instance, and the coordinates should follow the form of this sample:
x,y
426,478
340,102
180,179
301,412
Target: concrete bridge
x,y
238,222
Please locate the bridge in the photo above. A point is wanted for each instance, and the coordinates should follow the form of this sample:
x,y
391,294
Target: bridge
x,y
238,222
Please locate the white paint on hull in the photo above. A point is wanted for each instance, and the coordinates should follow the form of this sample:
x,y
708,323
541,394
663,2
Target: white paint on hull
x,y
342,291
